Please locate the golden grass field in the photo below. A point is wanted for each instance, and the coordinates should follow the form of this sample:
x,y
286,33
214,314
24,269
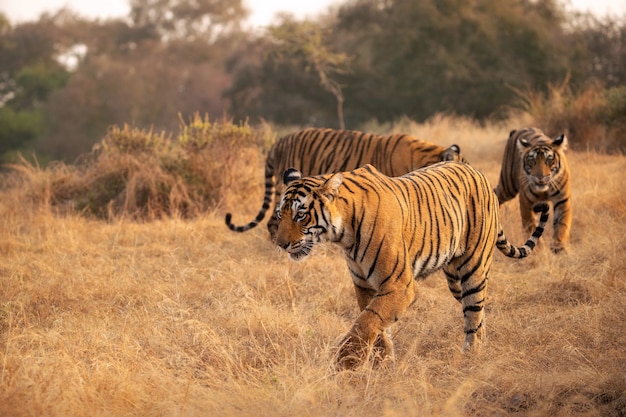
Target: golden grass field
x,y
186,318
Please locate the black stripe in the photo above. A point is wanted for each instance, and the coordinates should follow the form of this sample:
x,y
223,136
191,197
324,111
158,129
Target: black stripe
x,y
559,203
480,287
473,308
375,313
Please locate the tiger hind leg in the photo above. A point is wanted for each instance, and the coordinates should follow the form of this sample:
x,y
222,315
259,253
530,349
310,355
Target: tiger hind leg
x,y
454,285
473,302
469,286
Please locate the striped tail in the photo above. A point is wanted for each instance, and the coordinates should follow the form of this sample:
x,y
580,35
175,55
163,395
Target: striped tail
x,y
514,252
267,199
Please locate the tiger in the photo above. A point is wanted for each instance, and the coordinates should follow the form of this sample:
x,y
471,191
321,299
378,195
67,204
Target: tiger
x,y
317,151
534,165
394,232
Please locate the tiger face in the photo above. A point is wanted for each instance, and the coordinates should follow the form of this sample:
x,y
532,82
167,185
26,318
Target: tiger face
x,y
306,214
542,161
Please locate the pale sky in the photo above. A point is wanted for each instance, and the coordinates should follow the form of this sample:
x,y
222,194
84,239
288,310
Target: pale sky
x,y
263,11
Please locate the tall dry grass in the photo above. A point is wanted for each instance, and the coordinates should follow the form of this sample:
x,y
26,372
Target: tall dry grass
x,y
183,317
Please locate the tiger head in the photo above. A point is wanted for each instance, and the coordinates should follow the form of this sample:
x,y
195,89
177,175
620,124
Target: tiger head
x,y
306,212
452,153
541,157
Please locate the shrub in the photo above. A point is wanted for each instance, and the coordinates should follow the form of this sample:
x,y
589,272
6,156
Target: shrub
x,y
593,118
143,175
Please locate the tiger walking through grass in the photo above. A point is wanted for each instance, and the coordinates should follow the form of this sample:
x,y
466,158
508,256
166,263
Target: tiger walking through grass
x,y
395,231
535,167
316,151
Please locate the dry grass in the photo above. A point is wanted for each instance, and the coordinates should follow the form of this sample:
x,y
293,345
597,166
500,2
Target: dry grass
x,y
184,318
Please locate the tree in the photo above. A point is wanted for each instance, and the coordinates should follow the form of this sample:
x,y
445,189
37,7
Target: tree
x,y
188,19
406,58
454,56
29,73
598,50
169,60
306,40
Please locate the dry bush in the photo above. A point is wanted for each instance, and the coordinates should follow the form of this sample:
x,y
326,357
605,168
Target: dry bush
x,y
593,118
185,318
143,175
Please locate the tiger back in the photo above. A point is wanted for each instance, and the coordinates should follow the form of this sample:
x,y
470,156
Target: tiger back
x,y
316,151
535,167
394,231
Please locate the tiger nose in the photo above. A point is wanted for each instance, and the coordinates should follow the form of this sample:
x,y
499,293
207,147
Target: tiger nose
x,y
282,244
543,180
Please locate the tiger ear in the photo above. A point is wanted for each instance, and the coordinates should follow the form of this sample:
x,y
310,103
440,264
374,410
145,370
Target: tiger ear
x,y
291,174
524,142
331,186
560,141
452,153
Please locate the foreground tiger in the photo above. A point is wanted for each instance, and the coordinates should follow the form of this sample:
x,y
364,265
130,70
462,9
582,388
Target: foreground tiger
x,y
317,151
394,231
535,166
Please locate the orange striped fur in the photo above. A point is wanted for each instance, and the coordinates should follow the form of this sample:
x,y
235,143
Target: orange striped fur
x,y
395,231
535,167
316,151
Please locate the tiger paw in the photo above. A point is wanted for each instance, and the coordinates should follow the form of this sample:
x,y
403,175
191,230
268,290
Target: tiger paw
x,y
383,351
558,248
474,339
353,352
473,346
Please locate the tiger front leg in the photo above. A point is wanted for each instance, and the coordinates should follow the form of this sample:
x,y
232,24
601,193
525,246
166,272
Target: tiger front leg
x,y
379,310
529,220
562,225
272,223
272,226
354,350
382,350
356,346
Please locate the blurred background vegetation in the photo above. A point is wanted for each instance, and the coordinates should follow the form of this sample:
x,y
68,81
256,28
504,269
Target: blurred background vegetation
x,y
65,81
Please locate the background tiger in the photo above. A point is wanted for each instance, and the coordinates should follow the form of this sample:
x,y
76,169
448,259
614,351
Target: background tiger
x,y
317,151
535,166
394,231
